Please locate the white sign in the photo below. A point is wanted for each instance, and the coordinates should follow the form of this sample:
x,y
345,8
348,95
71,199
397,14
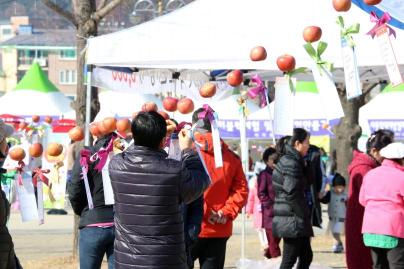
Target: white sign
x,y
106,182
389,58
284,96
328,94
352,80
26,198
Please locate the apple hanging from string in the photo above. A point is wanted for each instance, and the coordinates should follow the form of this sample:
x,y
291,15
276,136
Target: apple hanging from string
x,y
54,149
76,133
312,33
17,154
372,2
341,5
286,63
36,150
235,78
208,90
258,53
164,114
95,130
170,104
109,125
35,118
123,126
185,106
149,106
48,119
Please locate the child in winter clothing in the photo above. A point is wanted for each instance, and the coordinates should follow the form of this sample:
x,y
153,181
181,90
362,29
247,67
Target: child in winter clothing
x,y
336,200
253,208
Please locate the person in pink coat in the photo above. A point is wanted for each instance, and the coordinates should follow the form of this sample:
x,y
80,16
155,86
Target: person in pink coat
x,y
253,208
382,195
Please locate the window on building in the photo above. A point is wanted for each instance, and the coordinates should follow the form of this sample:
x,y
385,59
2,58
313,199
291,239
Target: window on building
x,y
67,54
67,77
7,32
26,57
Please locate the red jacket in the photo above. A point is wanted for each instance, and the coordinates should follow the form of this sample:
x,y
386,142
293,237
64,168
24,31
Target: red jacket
x,y
357,254
228,191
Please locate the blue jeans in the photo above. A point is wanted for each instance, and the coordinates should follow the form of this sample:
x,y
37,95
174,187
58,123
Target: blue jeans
x,y
94,242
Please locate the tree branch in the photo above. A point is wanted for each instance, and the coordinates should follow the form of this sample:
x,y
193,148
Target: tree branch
x,y
55,7
103,11
369,89
102,4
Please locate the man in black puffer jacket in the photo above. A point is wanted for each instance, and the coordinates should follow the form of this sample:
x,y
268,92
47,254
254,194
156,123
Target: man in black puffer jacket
x,y
96,226
148,190
291,220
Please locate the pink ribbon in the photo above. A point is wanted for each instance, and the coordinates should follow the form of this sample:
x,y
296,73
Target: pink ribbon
x,y
39,175
207,112
20,169
380,22
84,160
181,126
259,91
102,154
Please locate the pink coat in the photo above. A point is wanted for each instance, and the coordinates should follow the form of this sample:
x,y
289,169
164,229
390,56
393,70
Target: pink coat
x,y
382,195
253,206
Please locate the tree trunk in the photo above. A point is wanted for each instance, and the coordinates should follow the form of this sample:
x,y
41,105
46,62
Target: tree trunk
x,y
85,29
347,132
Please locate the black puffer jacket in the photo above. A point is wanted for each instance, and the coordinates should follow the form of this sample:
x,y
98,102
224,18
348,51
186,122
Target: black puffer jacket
x,y
148,190
291,212
101,213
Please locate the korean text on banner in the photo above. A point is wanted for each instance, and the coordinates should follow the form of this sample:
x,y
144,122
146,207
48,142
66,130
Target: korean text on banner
x,y
389,58
284,96
352,80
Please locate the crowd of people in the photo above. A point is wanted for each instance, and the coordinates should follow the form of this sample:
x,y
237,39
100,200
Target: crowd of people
x,y
170,213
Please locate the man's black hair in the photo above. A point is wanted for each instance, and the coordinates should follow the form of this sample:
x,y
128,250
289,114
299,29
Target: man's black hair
x,y
148,129
206,123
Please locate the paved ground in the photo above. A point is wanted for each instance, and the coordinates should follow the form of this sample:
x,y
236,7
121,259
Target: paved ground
x,y
50,245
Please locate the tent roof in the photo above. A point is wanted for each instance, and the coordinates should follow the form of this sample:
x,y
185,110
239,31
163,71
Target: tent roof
x,y
36,80
390,88
213,34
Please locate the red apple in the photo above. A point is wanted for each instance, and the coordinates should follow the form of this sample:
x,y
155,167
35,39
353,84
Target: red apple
x,y
17,154
164,115
185,106
76,133
123,126
48,119
258,54
109,125
286,63
149,106
54,149
35,118
170,104
341,5
207,90
235,78
95,130
312,33
372,2
35,150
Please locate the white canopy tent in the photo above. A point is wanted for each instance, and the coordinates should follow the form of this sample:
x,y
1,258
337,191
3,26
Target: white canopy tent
x,y
203,34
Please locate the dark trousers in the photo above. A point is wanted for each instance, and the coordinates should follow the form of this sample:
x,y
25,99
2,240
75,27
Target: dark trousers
x,y
294,248
273,250
94,243
389,258
211,252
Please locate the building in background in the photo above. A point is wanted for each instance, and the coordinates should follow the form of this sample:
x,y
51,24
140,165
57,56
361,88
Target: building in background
x,y
54,50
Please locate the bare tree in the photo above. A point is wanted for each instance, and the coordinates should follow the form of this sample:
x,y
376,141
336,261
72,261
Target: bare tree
x,y
85,16
348,131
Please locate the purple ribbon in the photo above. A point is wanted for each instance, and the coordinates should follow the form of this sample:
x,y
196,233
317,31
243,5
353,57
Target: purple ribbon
x,y
259,91
102,154
207,112
383,20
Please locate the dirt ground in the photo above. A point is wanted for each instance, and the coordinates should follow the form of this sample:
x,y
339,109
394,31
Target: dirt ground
x,y
50,245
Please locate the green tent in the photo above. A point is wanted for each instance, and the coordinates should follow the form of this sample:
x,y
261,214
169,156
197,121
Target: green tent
x,y
35,79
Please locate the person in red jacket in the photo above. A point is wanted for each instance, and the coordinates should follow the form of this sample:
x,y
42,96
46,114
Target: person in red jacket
x,y
357,254
223,200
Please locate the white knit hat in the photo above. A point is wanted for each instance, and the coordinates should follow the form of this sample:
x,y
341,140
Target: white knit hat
x,y
393,151
5,130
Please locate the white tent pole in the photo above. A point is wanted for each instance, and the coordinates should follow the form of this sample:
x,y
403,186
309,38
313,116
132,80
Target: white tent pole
x,y
88,108
244,160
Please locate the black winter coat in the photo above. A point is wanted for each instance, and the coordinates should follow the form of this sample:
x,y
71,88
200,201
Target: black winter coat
x,y
291,212
7,259
101,213
148,190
